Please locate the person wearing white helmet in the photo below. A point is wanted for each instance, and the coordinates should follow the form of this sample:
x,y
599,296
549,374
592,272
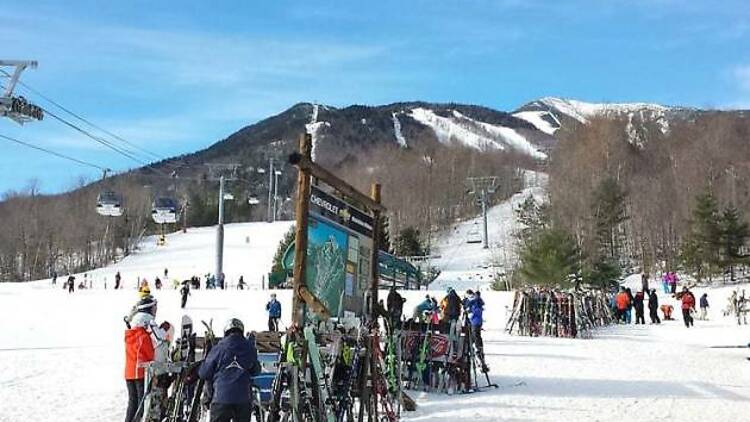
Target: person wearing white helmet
x,y
229,367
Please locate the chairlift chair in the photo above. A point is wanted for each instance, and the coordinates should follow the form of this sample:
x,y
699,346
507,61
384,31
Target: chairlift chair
x,y
109,204
474,236
164,211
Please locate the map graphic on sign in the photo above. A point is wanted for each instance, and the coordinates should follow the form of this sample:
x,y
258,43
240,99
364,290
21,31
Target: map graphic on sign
x,y
326,263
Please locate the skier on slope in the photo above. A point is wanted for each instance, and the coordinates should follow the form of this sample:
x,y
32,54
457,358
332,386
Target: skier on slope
x,y
229,367
688,306
273,307
145,342
653,305
118,278
184,293
638,305
71,284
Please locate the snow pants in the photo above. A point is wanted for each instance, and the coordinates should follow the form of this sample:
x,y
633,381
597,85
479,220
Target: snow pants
x,y
273,324
704,314
224,412
628,315
654,316
135,397
183,302
639,318
687,318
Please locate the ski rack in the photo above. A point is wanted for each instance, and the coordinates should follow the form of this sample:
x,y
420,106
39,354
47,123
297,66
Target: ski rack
x,y
556,313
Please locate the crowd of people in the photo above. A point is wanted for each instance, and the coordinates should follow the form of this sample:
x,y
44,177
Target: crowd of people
x,y
228,368
624,302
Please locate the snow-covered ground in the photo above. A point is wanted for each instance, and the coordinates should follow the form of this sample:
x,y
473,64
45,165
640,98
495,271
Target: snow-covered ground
x,y
62,359
248,252
468,265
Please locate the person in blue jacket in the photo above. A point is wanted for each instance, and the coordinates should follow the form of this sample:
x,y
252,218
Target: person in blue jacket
x,y
229,367
424,306
274,313
474,306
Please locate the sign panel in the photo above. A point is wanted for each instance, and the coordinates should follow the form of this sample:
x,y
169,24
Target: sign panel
x,y
339,238
334,209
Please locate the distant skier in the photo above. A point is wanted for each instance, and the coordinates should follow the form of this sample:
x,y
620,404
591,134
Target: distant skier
x,y
241,283
395,305
157,283
54,278
118,278
273,307
144,290
221,280
184,293
644,283
71,284
704,307
653,306
688,305
672,279
229,368
166,274
638,305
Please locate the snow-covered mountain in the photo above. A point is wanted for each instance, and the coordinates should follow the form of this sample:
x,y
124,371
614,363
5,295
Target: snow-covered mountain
x,y
549,114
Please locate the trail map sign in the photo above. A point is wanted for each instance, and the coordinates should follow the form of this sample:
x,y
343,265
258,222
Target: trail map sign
x,y
339,250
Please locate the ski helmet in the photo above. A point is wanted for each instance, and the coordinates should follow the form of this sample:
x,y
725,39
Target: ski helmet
x,y
234,324
147,304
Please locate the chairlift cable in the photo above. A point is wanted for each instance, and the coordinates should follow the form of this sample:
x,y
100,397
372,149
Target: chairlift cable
x,y
86,121
57,154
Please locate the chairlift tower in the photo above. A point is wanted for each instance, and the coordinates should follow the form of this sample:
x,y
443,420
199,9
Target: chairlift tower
x,y
17,108
222,173
481,188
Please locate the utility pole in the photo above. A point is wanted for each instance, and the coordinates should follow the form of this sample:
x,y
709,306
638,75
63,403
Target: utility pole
x,y
276,175
220,231
481,188
270,189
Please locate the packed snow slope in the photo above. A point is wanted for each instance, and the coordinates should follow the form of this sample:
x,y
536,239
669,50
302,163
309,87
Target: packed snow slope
x,y
248,252
62,359
461,257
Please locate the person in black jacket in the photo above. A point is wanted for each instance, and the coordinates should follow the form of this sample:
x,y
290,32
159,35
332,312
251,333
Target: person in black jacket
x,y
653,305
395,305
229,367
638,305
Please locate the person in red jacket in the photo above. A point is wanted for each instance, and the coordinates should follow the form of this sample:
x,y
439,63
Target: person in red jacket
x,y
688,306
139,350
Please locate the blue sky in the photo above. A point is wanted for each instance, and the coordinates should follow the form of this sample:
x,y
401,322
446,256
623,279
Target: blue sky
x,y
177,76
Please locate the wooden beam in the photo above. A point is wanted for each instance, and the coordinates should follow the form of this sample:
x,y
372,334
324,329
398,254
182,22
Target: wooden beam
x,y
305,163
374,259
300,244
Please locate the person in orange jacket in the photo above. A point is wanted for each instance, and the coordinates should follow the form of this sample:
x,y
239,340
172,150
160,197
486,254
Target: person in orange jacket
x,y
139,350
622,301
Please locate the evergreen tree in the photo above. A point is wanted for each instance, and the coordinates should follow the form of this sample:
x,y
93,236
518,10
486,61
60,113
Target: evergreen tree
x,y
533,218
605,272
409,243
609,212
550,257
287,240
385,237
701,249
734,234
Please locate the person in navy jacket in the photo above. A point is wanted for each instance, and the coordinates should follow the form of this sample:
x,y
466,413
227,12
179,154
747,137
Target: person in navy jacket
x,y
274,313
229,367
